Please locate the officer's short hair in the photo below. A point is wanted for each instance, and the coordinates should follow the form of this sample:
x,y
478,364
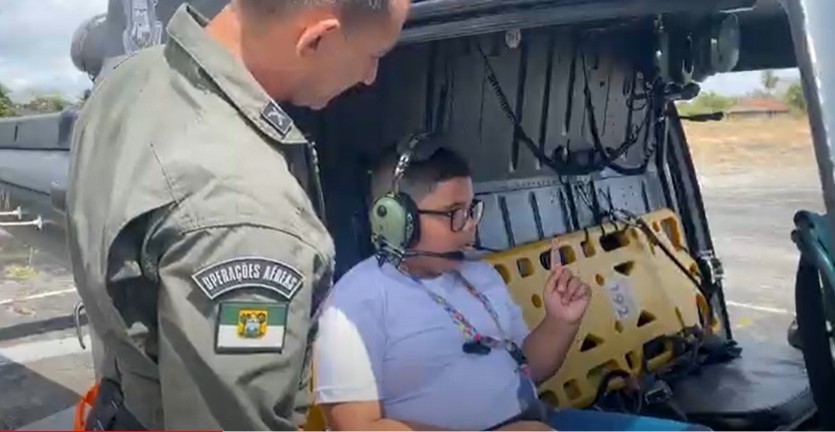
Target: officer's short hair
x,y
352,11
421,176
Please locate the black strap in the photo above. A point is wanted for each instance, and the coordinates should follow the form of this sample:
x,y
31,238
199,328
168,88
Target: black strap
x,y
651,393
109,411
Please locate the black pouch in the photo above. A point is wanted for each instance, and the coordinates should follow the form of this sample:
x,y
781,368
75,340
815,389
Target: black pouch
x,y
109,412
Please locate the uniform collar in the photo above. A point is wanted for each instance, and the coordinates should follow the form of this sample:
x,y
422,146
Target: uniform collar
x,y
186,30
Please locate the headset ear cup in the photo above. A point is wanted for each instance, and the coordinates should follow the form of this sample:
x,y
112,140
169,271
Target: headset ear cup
x,y
411,228
390,221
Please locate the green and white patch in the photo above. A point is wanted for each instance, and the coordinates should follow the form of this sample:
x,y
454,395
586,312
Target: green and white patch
x,y
247,327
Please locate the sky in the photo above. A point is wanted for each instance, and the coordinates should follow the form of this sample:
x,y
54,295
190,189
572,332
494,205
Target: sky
x,y
35,40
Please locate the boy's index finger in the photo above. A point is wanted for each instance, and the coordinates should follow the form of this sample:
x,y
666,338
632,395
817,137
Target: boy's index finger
x,y
556,257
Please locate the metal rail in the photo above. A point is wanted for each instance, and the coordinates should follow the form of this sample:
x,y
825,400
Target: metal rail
x,y
813,33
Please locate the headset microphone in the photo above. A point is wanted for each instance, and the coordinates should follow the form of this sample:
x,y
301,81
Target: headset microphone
x,y
451,255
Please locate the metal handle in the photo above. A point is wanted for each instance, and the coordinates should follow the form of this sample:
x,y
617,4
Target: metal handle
x,y
77,311
18,212
37,222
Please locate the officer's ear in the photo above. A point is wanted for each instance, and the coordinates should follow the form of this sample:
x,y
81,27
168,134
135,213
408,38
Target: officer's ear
x,y
313,35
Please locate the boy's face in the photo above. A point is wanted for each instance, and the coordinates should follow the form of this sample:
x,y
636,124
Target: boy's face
x,y
448,223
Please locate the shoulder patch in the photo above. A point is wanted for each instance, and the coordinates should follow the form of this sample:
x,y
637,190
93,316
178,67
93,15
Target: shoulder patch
x,y
277,118
250,327
246,272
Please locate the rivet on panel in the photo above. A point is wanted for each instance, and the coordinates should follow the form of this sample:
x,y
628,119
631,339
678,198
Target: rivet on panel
x,y
513,38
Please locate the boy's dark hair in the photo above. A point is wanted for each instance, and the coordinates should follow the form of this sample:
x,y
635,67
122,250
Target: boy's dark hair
x,y
424,172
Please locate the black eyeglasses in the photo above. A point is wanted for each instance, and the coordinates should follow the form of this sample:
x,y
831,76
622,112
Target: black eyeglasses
x,y
458,217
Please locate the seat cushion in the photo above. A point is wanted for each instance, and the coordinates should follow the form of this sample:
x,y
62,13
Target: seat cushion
x,y
765,389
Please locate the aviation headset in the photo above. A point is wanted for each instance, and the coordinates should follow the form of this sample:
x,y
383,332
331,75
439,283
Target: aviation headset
x,y
394,217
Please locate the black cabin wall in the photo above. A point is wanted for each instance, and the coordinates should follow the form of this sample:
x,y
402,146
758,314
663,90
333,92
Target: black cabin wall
x,y
543,81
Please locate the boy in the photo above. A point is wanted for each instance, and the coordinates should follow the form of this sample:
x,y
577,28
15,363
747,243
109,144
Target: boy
x,y
437,343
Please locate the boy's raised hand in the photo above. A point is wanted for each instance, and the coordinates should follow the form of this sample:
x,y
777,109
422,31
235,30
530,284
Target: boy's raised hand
x,y
566,297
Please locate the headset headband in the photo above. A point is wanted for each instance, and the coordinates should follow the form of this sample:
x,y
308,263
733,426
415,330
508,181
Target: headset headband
x,y
407,149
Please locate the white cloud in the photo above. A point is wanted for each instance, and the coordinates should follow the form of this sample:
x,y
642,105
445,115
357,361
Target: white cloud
x,y
35,38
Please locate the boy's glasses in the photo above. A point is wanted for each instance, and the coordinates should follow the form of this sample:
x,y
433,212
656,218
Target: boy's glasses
x,y
458,217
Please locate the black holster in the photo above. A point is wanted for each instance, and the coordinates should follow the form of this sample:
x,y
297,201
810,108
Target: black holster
x,y
109,411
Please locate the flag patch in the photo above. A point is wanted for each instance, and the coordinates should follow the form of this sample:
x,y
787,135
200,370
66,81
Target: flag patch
x,y
247,327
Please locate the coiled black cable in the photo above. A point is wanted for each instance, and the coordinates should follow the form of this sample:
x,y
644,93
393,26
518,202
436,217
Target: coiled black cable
x,y
601,158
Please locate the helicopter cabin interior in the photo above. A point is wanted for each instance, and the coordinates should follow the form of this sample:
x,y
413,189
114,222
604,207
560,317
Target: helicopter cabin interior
x,y
565,111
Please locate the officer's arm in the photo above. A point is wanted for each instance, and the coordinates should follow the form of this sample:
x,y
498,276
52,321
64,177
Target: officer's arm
x,y
234,315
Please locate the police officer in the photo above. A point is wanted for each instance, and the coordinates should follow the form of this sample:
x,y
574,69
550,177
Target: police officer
x,y
197,252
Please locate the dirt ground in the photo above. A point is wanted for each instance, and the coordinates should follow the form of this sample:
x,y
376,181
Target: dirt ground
x,y
737,145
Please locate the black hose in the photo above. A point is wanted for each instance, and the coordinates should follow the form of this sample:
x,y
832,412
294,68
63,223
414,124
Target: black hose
x,y
601,157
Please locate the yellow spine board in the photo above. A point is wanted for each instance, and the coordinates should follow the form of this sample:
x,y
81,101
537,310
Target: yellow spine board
x,y
638,294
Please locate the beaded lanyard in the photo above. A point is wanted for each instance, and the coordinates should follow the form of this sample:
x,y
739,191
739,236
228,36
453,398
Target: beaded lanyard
x,y
473,335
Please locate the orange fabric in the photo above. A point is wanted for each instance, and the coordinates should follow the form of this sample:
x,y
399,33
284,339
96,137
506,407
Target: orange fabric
x,y
81,407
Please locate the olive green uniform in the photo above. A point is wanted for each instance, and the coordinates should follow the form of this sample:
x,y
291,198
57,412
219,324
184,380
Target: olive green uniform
x,y
195,247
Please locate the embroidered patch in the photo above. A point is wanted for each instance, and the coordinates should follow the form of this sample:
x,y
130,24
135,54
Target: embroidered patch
x,y
276,117
249,272
247,327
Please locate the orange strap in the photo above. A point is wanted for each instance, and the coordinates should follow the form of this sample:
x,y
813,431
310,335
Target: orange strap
x,y
81,407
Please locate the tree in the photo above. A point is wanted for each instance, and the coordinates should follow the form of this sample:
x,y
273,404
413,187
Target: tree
x,y
47,103
794,97
7,107
705,102
769,80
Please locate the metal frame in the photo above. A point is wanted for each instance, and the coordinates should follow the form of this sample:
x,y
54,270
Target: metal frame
x,y
457,18
812,32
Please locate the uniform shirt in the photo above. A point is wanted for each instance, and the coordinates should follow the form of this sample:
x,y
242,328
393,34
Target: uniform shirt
x,y
382,337
196,251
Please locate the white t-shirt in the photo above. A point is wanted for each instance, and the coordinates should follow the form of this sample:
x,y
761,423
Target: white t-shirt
x,y
382,337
